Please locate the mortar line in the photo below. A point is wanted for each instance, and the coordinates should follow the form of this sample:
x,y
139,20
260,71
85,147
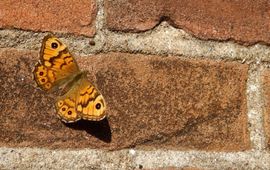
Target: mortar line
x,y
164,40
132,158
255,107
100,36
100,18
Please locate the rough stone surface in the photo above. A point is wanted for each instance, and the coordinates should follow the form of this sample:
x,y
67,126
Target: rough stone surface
x,y
57,16
163,40
172,168
266,94
245,21
153,102
41,158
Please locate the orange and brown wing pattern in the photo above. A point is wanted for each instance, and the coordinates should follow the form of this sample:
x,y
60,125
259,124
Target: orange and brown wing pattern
x,y
90,103
82,101
66,107
57,67
56,64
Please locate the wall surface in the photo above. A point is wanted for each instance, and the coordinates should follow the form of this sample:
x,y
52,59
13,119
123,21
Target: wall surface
x,y
187,84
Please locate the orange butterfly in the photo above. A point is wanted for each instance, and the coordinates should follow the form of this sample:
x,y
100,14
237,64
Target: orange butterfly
x,y
56,68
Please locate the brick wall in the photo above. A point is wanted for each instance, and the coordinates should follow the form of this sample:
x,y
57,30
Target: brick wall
x,y
187,84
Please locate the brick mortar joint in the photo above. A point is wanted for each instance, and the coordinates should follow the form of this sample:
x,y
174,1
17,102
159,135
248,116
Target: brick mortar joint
x,y
108,41
255,107
100,18
132,158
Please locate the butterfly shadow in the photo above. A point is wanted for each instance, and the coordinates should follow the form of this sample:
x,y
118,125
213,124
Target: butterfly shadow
x,y
99,129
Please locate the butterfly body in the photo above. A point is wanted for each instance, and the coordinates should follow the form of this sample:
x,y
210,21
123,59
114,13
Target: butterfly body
x,y
58,68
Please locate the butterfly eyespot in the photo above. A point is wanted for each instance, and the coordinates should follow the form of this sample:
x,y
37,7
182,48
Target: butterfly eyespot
x,y
63,109
54,45
42,80
98,106
41,69
60,103
48,85
41,73
69,112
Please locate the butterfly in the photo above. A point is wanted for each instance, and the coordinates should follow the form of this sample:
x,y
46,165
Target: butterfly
x,y
57,68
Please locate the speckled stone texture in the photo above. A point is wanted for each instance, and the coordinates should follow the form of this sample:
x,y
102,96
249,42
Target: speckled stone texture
x,y
266,95
172,168
153,102
245,21
57,16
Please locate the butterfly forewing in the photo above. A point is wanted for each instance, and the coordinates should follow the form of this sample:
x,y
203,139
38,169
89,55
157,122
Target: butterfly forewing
x,y
56,64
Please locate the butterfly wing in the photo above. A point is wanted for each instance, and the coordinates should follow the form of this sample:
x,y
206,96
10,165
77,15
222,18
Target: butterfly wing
x,y
90,103
56,64
82,101
66,106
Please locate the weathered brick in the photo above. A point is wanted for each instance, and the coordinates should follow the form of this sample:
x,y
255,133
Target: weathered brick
x,y
153,101
266,94
57,16
245,21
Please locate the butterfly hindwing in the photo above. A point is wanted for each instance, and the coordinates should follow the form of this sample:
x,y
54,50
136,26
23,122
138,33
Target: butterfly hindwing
x,y
56,64
82,101
66,106
90,103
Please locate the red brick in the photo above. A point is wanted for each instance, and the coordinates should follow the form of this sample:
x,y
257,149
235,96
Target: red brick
x,y
153,101
57,16
245,21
